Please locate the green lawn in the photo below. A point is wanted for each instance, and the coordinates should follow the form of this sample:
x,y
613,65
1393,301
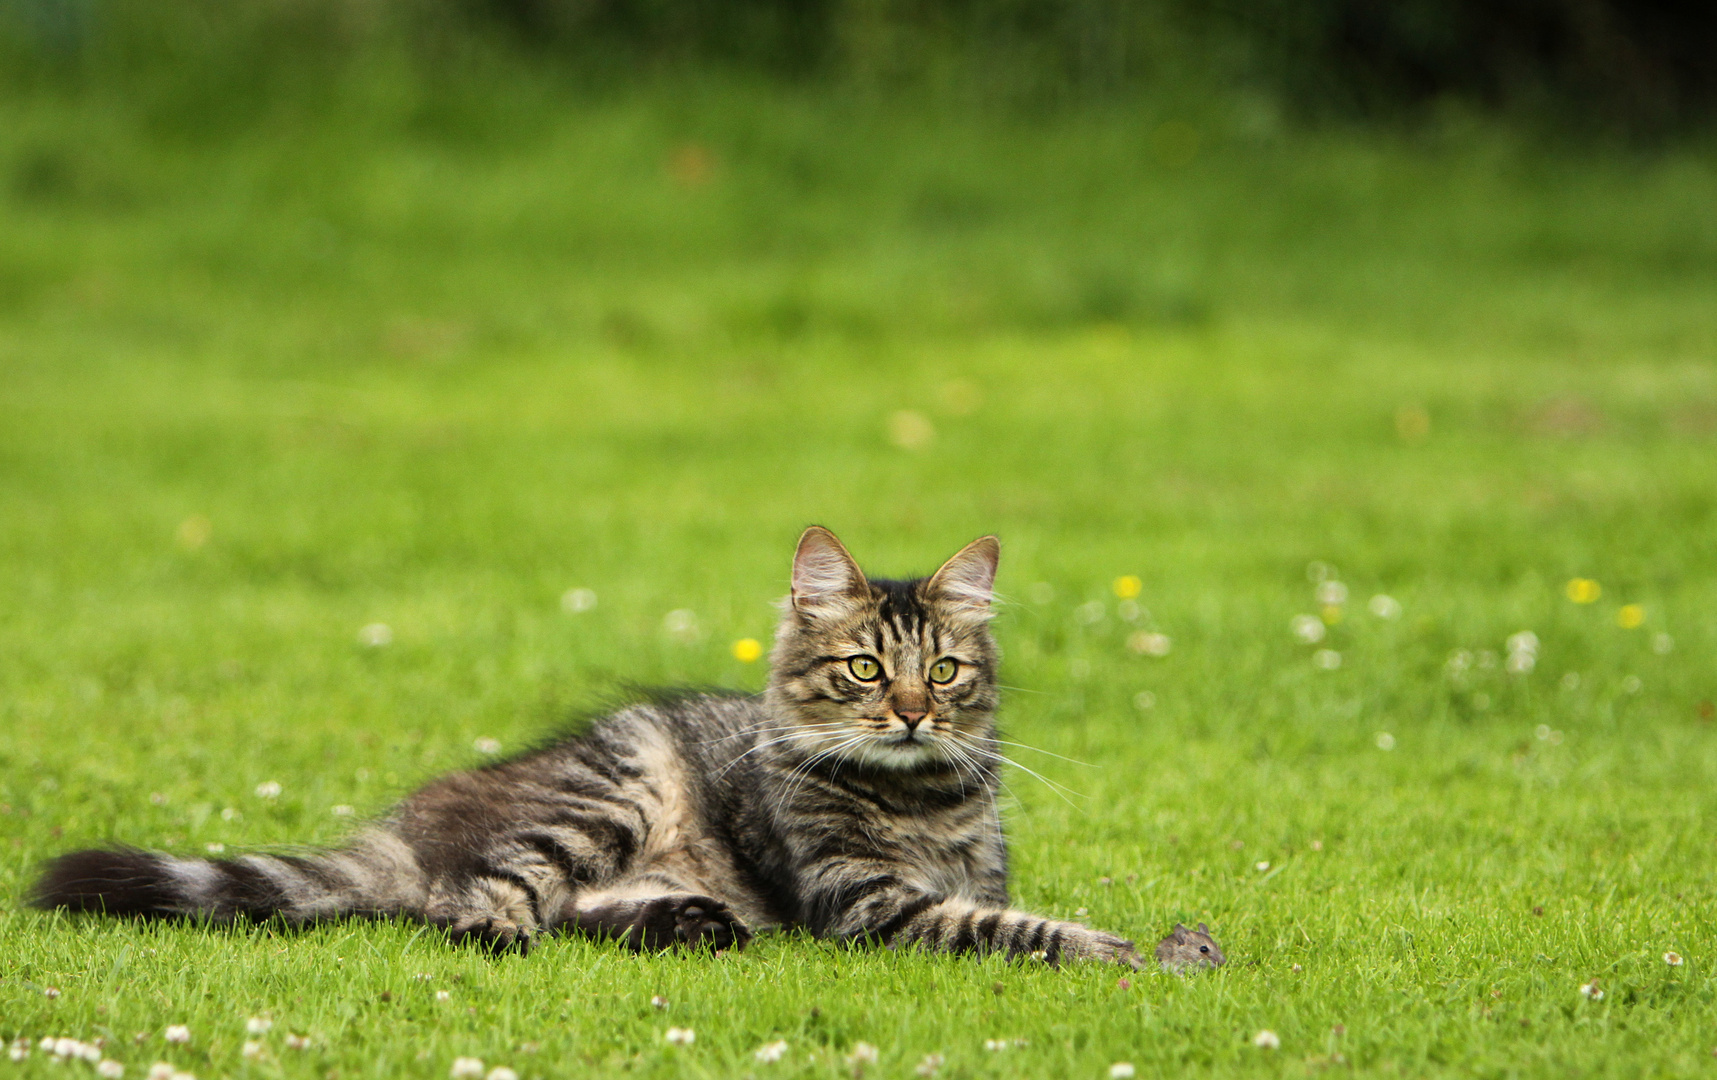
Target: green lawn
x,y
260,393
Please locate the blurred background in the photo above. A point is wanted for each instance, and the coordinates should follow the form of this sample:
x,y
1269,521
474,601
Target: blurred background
x,y
1639,70
323,314
1590,66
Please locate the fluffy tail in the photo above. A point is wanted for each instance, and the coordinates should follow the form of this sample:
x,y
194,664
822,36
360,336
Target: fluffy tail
x,y
377,876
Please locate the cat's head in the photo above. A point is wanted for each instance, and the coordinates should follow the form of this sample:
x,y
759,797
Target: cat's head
x,y
894,674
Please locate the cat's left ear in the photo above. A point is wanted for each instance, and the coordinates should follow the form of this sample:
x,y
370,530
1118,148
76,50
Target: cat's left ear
x,y
967,581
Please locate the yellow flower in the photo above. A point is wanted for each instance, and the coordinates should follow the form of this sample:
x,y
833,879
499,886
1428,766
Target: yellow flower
x,y
1630,616
1584,590
746,650
1127,586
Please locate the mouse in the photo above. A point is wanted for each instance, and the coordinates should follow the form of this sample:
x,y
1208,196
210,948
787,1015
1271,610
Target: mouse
x,y
1189,949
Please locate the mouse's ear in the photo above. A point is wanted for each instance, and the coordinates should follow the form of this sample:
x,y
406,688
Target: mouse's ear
x,y
1203,929
1179,931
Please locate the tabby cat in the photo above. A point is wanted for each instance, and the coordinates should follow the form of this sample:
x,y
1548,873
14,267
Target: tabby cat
x,y
856,797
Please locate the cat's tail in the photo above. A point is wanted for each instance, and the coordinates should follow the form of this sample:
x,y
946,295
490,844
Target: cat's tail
x,y
377,875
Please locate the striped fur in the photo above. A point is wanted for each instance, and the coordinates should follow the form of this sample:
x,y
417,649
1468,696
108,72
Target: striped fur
x,y
856,797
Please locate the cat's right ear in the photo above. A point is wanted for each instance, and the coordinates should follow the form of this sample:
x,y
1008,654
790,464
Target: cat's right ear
x,y
825,577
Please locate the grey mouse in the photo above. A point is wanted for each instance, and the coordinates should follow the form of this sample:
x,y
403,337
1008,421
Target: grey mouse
x,y
1189,949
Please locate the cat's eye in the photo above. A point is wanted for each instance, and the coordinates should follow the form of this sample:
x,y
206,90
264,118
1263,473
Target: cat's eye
x,y
943,670
864,667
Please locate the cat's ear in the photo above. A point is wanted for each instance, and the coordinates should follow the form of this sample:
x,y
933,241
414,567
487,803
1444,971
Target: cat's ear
x,y
967,581
825,577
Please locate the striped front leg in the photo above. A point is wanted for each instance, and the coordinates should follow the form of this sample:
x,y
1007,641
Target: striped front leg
x,y
897,915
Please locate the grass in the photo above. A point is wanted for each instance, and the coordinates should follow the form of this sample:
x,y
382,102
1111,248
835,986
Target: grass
x,y
261,392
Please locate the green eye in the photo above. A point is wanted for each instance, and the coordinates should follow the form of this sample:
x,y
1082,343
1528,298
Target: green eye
x,y
943,670
864,667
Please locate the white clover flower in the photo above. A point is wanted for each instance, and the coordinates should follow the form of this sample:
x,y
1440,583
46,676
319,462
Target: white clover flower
x,y
1332,593
1673,959
50,992
466,1068
231,814
1262,865
178,1033
443,995
341,810
20,1049
995,1044
89,1052
487,745
862,1054
501,1072
1519,663
657,1001
375,635
1130,610
110,1069
1149,643
681,623
258,1025
1121,1070
773,1051
160,1071
1267,1040
1662,644
1525,641
60,1047
1592,991
178,1075
251,1049
1385,741
1458,663
1326,659
929,1065
215,848
1092,613
1080,913
268,789
1385,607
1309,629
297,1042
680,1036
577,600
46,1046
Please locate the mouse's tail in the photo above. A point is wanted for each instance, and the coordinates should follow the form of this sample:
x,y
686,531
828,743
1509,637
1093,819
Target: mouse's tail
x,y
377,875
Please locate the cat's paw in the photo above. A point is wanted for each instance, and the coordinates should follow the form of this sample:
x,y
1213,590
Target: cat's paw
x,y
686,921
494,933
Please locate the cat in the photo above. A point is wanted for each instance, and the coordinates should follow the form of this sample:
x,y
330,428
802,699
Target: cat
x,y
855,797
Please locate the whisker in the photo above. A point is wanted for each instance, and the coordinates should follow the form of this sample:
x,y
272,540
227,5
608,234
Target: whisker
x,y
1040,750
1060,789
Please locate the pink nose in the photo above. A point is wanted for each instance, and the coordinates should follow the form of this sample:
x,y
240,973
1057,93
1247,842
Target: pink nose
x,y
911,718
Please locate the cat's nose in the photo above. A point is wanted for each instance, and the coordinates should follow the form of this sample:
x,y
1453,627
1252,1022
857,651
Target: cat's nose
x,y
911,718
